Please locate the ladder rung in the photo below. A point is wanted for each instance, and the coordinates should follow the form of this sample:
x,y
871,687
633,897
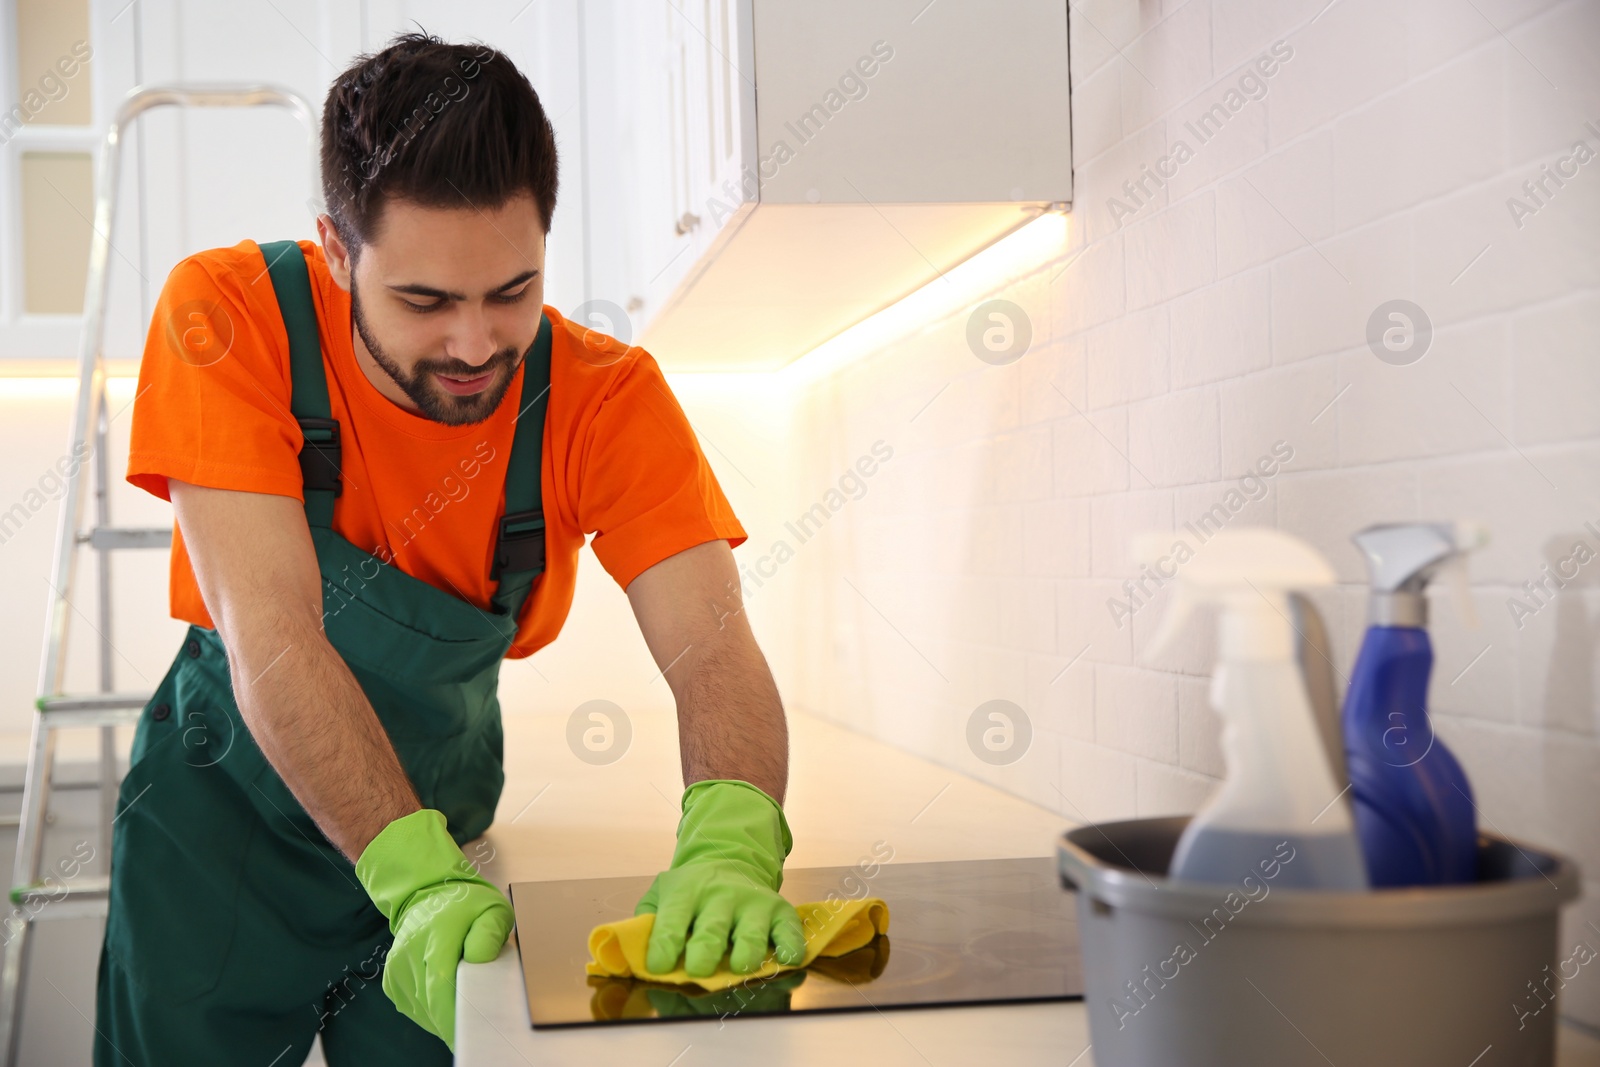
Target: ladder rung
x,y
91,709
109,537
84,897
92,701
78,889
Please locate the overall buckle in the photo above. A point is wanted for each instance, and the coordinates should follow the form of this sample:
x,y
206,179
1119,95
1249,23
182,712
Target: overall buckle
x,y
521,543
320,456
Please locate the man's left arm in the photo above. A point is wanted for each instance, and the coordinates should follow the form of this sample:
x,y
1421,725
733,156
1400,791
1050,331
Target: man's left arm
x,y
730,717
734,741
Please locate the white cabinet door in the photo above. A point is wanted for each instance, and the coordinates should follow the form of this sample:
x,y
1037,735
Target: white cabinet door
x,y
682,73
666,101
723,90
636,186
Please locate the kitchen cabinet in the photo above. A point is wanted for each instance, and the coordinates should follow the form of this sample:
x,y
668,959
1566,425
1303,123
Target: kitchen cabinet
x,y
761,174
660,132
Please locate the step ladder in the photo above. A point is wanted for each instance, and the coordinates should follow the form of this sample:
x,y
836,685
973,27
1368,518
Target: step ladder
x,y
34,897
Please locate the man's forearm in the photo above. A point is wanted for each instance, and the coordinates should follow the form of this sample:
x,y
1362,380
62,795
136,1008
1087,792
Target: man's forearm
x,y
313,722
730,717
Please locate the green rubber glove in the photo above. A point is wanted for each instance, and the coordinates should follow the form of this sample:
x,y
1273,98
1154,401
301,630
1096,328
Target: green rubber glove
x,y
440,910
724,881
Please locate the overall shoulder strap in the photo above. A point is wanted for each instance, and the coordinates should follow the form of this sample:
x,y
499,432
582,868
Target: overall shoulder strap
x,y
319,456
519,548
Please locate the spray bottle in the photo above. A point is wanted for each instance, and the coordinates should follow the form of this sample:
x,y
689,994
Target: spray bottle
x,y
1279,809
1413,804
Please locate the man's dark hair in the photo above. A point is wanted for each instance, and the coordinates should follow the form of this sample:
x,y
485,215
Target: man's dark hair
x,y
436,124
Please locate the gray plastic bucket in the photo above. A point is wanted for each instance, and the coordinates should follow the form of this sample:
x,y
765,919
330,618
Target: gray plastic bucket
x,y
1248,974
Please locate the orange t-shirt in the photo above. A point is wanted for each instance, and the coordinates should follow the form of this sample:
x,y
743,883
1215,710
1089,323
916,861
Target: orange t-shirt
x,y
619,461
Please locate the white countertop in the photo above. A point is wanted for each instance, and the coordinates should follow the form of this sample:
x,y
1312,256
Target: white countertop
x,y
561,818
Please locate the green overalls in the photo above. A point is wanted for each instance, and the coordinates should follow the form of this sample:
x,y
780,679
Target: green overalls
x,y
236,929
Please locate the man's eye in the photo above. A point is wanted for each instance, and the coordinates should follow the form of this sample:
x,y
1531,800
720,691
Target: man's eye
x,y
423,309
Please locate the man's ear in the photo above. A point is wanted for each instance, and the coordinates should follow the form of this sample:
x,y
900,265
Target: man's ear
x,y
334,251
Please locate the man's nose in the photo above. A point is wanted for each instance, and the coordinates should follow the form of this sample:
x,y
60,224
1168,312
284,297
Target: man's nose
x,y
472,340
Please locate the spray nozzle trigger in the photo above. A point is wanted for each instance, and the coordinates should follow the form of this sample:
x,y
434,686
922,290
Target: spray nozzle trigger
x,y
1402,558
1246,572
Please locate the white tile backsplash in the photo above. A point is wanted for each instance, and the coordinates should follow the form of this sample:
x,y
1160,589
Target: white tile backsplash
x,y
1556,349
1474,257
1289,414
1060,690
1091,452
1456,398
1121,182
1172,251
1431,136
1220,130
1277,205
1136,711
1347,53
1223,330
1243,29
1088,284
1128,358
1167,63
1112,516
1056,537
1552,78
1174,439
1324,293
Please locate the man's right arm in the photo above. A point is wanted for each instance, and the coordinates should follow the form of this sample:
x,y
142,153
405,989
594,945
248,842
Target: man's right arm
x,y
257,571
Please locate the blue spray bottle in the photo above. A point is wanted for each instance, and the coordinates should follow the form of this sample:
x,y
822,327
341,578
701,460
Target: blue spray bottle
x,y
1413,805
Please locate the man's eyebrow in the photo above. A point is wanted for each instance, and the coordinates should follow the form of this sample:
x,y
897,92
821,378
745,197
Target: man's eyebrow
x,y
424,290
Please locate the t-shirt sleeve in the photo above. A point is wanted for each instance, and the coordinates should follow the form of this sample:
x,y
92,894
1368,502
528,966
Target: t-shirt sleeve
x,y
212,406
646,490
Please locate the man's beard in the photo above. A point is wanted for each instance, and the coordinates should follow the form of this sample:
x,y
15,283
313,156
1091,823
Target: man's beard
x,y
434,401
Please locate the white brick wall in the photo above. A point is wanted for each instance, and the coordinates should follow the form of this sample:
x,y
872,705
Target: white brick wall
x,y
1174,346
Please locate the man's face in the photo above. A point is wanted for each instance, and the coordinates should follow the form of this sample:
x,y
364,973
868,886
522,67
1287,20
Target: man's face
x,y
445,303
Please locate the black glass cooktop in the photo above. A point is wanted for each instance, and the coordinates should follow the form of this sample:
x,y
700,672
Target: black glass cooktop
x,y
960,932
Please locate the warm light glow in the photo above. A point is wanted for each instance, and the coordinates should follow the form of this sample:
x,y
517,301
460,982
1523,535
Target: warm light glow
x,y
63,385
957,291
960,289
40,388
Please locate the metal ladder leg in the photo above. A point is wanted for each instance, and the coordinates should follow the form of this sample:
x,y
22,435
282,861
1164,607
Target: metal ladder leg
x,y
34,893
19,921
108,734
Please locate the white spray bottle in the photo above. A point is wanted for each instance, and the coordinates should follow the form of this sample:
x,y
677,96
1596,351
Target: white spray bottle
x,y
1279,814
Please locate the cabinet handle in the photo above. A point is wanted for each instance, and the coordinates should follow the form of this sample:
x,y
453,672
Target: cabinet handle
x,y
687,223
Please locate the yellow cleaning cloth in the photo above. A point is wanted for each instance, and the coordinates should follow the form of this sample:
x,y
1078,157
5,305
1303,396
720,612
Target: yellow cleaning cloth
x,y
833,929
